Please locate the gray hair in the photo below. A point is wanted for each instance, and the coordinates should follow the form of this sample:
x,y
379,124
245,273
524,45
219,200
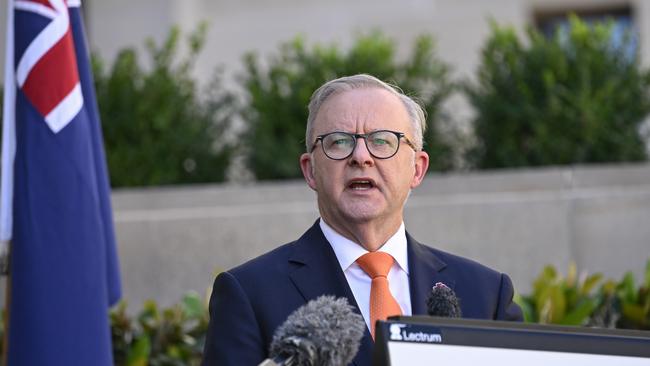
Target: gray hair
x,y
360,81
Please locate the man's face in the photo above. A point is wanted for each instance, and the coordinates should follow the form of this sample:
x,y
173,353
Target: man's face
x,y
362,188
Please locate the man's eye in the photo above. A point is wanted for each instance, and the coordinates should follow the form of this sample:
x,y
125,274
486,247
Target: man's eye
x,y
380,141
340,142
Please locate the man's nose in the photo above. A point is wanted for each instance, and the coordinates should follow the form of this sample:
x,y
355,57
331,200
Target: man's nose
x,y
361,155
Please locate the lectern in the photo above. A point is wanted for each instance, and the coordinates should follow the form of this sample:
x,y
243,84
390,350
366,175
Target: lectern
x,y
423,340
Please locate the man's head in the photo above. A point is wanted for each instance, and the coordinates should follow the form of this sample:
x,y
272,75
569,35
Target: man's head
x,y
346,83
363,179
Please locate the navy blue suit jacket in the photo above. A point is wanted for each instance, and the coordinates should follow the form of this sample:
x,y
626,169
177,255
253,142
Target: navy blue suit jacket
x,y
250,301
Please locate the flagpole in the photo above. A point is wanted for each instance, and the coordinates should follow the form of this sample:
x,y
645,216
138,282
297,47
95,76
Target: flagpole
x,y
5,315
6,180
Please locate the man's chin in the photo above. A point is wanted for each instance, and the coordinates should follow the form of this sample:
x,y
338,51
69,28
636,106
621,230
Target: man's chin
x,y
362,214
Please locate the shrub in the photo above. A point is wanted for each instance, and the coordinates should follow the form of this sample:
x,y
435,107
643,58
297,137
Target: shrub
x,y
575,98
559,300
588,300
158,128
624,304
279,91
173,336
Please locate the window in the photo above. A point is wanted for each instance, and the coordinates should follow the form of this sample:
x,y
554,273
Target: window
x,y
548,22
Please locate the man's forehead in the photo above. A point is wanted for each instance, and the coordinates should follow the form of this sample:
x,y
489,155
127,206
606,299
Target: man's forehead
x,y
365,94
370,102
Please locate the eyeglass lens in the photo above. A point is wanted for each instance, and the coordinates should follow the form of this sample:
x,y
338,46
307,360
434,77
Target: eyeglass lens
x,y
381,144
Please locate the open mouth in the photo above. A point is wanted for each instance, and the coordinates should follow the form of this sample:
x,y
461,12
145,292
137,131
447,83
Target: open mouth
x,y
361,184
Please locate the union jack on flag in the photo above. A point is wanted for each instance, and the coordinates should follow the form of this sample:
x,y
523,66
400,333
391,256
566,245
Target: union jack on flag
x,y
57,97
55,208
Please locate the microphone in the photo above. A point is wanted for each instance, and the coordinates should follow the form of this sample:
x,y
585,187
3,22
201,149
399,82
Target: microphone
x,y
442,301
324,332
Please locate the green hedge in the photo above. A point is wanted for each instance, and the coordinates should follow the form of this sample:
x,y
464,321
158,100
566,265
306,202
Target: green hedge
x,y
574,98
278,91
158,127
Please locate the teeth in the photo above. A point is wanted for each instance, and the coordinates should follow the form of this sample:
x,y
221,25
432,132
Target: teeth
x,y
361,185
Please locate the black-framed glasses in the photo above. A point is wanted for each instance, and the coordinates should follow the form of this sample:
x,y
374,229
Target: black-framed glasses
x,y
382,144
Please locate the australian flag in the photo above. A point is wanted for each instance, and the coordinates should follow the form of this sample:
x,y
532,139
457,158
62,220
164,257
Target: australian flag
x,y
56,208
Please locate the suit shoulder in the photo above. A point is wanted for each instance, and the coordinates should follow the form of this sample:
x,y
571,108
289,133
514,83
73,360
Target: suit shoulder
x,y
484,293
284,258
457,263
267,262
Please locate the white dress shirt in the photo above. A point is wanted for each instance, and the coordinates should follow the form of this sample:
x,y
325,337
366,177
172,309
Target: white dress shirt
x,y
347,252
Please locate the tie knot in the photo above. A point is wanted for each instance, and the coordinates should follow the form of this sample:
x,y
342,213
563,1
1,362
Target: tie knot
x,y
376,264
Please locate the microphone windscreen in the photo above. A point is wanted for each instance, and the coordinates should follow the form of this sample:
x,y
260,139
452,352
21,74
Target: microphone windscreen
x,y
442,301
325,331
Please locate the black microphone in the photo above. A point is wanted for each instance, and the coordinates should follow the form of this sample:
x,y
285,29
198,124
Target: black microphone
x,y
324,332
442,301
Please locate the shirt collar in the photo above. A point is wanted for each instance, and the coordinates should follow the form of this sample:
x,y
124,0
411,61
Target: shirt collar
x,y
347,252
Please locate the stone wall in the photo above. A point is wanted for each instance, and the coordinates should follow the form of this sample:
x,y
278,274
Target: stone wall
x,y
172,240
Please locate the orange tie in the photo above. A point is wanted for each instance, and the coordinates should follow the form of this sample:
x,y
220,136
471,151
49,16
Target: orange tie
x,y
382,303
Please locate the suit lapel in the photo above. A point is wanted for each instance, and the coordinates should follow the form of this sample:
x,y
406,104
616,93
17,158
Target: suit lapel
x,y
424,272
317,272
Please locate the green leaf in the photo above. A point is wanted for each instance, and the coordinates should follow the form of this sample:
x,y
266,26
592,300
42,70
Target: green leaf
x,y
526,308
193,305
580,314
627,288
634,313
609,287
590,283
558,305
572,275
140,352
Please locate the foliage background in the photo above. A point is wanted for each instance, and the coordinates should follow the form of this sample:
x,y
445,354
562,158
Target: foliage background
x,y
159,128
580,299
575,98
278,91
558,101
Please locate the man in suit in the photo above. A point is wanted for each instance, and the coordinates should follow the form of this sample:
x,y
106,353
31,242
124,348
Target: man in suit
x,y
364,155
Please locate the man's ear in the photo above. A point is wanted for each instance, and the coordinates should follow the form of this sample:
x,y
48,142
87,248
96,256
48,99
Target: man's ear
x,y
421,167
307,167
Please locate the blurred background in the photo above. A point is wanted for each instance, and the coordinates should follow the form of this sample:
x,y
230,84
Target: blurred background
x,y
537,112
